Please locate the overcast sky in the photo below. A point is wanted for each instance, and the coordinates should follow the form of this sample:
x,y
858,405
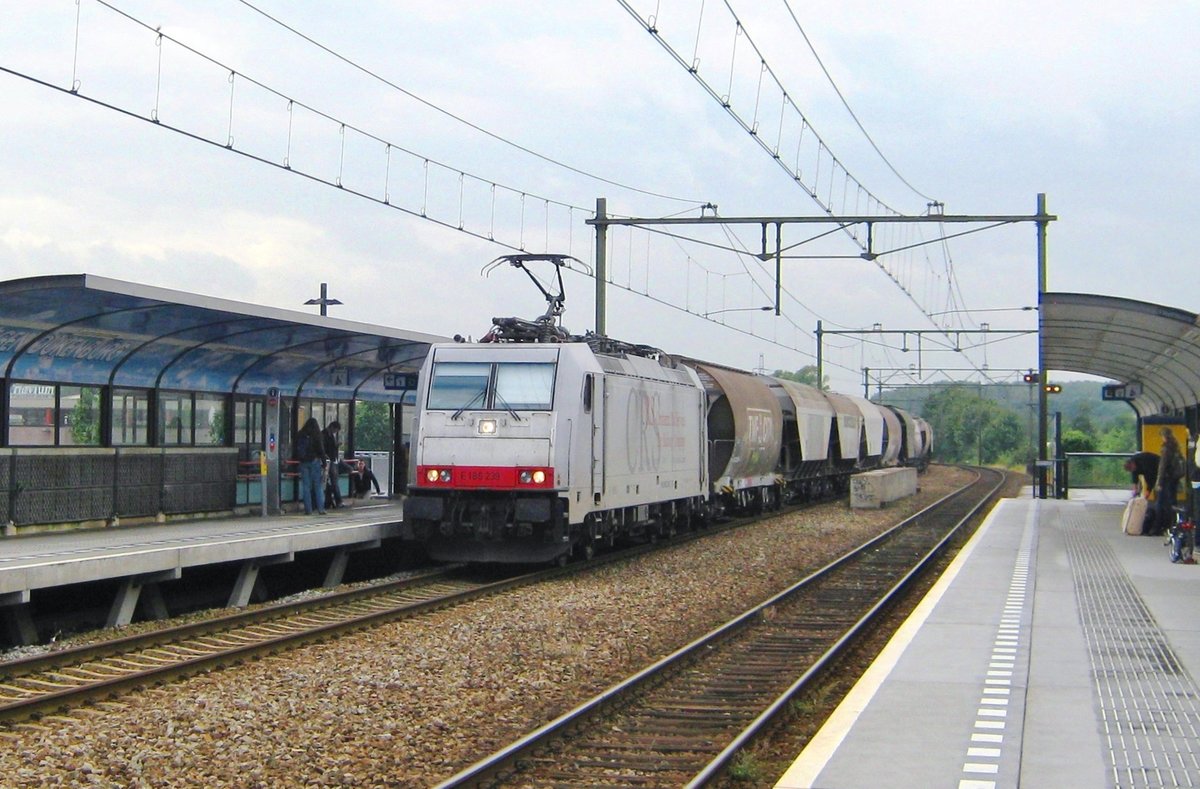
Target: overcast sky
x,y
978,106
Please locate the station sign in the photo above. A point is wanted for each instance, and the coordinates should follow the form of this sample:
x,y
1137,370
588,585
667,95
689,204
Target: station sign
x,y
400,381
1129,391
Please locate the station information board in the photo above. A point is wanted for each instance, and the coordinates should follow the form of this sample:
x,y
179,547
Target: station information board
x,y
1127,391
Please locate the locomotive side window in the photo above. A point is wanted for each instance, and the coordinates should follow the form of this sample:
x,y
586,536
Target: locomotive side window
x,y
459,385
525,386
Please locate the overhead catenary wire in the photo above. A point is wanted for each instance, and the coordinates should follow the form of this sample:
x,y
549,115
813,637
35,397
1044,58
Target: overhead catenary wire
x,y
828,171
820,191
459,119
516,244
451,223
846,104
228,143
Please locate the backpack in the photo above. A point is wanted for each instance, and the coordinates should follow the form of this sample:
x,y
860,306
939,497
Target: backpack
x,y
1172,466
304,452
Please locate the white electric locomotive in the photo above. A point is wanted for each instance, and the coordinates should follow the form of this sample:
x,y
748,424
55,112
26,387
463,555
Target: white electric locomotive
x,y
524,452
532,445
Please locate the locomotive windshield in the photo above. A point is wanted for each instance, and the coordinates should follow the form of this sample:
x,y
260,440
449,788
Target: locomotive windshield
x,y
525,387
509,386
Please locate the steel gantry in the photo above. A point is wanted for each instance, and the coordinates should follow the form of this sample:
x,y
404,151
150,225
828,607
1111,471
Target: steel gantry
x,y
1041,220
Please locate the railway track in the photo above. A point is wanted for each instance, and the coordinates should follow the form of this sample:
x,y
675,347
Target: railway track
x,y
682,720
55,681
45,683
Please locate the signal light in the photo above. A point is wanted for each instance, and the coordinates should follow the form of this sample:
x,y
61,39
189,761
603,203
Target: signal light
x,y
1053,388
1030,378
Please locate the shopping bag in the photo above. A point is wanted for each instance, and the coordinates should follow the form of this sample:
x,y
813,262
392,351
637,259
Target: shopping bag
x,y
1134,516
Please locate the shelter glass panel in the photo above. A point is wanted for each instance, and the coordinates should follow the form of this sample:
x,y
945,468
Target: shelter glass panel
x,y
130,417
324,411
248,417
373,426
31,418
210,420
175,420
340,412
79,416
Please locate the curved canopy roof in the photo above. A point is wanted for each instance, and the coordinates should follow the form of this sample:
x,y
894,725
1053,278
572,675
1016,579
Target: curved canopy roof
x,y
89,330
1153,349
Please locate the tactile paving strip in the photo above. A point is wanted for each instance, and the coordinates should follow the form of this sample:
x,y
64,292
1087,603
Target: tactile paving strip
x,y
1148,700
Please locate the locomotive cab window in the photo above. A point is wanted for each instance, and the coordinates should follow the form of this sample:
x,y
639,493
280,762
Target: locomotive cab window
x,y
507,386
524,387
459,385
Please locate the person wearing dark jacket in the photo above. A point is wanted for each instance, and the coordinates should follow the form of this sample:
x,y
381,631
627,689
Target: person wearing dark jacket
x,y
329,440
310,453
1145,465
361,477
1170,471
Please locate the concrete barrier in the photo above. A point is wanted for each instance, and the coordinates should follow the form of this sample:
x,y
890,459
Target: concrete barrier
x,y
873,489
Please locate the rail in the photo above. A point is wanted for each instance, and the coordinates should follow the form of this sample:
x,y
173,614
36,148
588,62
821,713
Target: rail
x,y
62,679
673,718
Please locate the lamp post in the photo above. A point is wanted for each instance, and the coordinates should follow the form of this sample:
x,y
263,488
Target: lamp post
x,y
324,301
737,309
986,309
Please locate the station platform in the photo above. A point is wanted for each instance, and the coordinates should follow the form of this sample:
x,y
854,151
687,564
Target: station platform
x,y
145,555
1054,652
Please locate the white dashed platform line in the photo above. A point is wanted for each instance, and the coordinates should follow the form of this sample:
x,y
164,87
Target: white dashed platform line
x,y
992,714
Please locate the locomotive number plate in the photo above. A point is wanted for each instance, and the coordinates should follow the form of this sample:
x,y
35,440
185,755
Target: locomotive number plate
x,y
483,476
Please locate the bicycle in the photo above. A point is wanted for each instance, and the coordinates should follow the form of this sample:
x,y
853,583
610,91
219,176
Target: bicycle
x,y
1181,538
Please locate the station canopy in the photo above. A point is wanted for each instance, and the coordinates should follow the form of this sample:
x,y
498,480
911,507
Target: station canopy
x,y
1153,350
86,330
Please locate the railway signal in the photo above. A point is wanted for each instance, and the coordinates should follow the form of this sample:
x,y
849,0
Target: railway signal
x,y
1030,377
1053,388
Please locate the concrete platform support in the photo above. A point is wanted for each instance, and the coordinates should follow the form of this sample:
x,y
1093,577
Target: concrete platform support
x,y
337,567
873,489
247,579
130,592
18,623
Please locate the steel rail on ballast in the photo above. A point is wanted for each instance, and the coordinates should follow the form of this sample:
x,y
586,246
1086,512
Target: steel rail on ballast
x,y
718,764
63,678
500,764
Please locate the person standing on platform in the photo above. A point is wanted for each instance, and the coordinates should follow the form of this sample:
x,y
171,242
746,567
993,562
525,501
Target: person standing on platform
x,y
329,440
1170,471
310,452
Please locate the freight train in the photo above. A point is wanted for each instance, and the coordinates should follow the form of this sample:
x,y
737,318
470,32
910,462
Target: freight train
x,y
534,445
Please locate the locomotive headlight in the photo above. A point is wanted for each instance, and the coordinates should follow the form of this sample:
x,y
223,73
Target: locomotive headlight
x,y
531,476
445,475
432,475
487,427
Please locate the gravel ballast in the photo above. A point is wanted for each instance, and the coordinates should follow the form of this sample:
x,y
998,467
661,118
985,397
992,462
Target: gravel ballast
x,y
412,702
